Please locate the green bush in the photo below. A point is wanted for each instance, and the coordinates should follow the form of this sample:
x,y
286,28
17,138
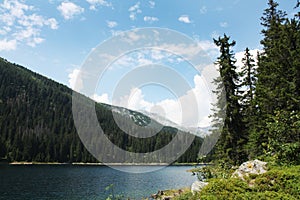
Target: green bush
x,y
282,180
278,183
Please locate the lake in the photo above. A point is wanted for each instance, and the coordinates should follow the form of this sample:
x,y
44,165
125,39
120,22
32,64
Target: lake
x,y
87,182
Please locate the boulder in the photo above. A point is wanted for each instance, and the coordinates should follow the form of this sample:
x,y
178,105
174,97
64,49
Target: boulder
x,y
197,186
250,167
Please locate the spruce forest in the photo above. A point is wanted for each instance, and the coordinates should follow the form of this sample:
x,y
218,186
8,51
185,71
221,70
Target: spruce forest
x,y
262,104
36,122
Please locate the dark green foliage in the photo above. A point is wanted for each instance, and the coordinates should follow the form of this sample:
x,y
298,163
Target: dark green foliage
x,y
36,122
277,101
229,149
263,101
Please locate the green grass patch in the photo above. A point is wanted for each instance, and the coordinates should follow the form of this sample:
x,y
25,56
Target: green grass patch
x,y
277,183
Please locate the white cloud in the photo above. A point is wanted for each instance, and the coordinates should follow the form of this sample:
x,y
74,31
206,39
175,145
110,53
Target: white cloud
x,y
152,4
164,53
240,55
223,24
27,34
207,45
5,30
52,23
95,3
111,24
75,81
181,111
68,10
158,55
101,99
134,7
136,100
116,32
8,45
150,19
38,21
35,41
203,10
185,19
16,8
191,52
132,37
23,25
134,10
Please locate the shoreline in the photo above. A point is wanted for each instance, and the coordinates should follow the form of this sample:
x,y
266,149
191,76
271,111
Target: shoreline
x,y
105,164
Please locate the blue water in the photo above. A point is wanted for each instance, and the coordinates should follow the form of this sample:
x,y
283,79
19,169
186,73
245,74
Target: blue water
x,y
87,182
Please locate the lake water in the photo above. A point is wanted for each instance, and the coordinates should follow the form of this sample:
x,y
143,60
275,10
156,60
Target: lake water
x,y
87,182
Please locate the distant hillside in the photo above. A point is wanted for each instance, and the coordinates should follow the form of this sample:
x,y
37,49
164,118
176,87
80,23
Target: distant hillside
x,y
36,122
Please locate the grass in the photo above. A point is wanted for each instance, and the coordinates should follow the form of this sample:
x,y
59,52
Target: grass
x,y
280,182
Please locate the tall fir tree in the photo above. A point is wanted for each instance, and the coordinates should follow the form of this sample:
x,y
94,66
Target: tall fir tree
x,y
229,148
248,78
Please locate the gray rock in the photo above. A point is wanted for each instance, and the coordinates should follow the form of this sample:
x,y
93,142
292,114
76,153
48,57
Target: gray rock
x,y
197,186
250,167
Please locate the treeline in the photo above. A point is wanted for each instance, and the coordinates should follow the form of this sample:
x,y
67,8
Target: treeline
x,y
36,123
260,104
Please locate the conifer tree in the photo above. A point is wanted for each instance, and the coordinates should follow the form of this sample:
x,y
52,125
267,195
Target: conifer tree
x,y
229,148
277,99
247,89
248,79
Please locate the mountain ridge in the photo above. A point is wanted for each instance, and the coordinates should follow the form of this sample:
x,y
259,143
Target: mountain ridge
x,y
37,125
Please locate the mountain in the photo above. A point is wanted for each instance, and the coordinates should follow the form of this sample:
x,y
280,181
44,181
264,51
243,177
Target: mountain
x,y
36,123
198,131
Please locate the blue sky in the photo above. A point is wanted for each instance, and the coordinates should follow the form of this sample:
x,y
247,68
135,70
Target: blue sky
x,y
54,37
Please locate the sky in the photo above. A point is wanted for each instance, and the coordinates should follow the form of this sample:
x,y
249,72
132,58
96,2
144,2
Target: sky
x,y
56,37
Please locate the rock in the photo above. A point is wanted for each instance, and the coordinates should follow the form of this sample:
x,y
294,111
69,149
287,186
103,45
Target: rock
x,y
167,194
250,167
197,186
158,194
154,196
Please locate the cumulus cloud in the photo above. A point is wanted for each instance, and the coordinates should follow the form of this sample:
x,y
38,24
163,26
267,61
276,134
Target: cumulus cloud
x,y
111,24
150,19
21,24
240,55
8,45
52,23
135,100
185,19
191,109
134,10
75,81
68,10
95,3
102,99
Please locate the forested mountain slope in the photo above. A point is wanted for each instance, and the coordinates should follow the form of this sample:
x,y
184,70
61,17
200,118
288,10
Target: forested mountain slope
x,y
36,122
